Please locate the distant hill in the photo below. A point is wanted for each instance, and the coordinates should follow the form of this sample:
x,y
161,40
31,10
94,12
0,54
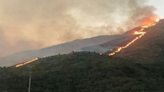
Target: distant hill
x,y
99,44
110,45
54,50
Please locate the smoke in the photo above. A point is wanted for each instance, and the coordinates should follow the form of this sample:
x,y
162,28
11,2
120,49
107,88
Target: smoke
x,y
34,24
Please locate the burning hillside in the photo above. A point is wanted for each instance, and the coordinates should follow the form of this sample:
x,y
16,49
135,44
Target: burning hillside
x,y
35,22
141,33
149,48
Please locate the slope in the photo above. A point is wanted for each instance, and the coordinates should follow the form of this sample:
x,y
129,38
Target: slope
x,y
95,44
112,44
149,48
54,50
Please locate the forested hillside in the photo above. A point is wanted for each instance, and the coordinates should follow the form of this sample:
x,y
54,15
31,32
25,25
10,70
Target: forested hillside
x,y
84,72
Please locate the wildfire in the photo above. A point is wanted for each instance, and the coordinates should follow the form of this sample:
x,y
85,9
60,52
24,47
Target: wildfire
x,y
25,63
19,65
141,33
157,20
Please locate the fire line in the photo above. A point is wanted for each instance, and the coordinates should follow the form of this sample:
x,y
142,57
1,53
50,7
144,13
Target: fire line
x,y
141,33
22,64
30,61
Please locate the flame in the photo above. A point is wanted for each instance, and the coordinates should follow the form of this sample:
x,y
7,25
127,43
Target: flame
x,y
25,63
157,20
141,33
22,64
150,24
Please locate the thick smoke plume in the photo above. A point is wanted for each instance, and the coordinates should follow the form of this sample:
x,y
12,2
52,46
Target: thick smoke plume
x,y
34,24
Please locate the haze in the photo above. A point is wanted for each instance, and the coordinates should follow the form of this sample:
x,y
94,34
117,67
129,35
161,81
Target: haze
x,y
34,24
159,5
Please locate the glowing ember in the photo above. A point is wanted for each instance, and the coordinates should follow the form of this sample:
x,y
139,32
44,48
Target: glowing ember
x,y
141,33
19,65
147,26
157,20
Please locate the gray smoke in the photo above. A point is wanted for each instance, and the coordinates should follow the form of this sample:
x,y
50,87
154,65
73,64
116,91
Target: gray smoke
x,y
33,24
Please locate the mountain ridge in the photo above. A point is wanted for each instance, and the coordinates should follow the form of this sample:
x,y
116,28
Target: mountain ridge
x,y
53,50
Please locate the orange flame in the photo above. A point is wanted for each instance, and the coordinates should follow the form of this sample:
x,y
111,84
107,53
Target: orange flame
x,y
22,64
25,63
157,20
141,33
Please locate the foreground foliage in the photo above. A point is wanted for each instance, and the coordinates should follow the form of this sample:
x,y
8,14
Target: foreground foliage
x,y
84,72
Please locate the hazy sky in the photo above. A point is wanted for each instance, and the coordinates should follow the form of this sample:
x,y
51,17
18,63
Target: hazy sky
x,y
159,4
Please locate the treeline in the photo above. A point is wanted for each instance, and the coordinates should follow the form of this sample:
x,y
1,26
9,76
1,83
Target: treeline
x,y
84,72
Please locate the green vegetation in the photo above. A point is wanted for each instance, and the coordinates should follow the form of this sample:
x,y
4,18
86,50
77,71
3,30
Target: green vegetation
x,y
84,72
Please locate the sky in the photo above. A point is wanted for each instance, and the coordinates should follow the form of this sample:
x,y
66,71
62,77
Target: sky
x,y
159,5
35,24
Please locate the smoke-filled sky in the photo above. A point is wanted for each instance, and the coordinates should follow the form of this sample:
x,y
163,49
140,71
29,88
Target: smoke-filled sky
x,y
34,24
159,5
